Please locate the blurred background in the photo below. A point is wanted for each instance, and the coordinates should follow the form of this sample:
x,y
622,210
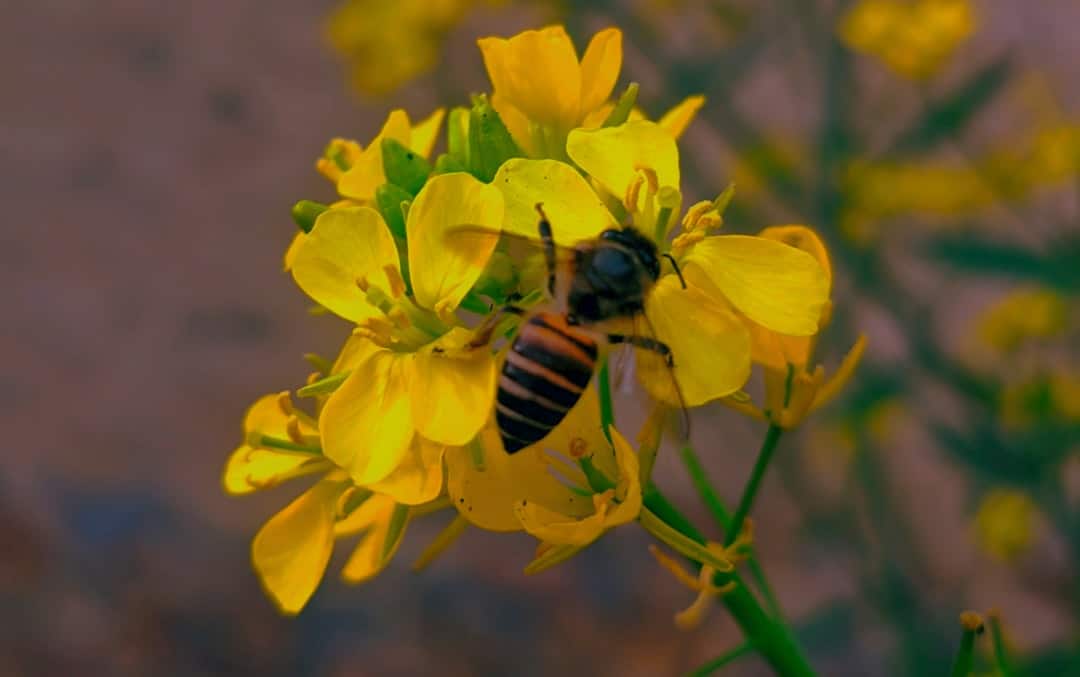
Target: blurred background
x,y
150,152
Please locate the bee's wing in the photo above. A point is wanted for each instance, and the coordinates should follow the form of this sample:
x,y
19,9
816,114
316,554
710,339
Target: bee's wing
x,y
465,236
651,365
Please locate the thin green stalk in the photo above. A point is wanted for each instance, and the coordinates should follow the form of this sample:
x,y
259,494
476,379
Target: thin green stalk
x,y
720,661
746,502
771,637
1001,655
607,408
972,625
720,513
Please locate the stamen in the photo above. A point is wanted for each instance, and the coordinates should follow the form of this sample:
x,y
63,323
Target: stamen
x,y
578,447
400,318
694,214
362,282
674,568
630,200
292,427
650,178
397,283
284,403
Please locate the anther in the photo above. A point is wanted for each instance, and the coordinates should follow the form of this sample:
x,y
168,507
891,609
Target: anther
x,y
633,191
694,214
362,283
292,427
397,283
578,447
650,178
284,402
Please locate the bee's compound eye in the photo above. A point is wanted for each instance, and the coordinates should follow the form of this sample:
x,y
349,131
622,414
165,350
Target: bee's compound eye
x,y
614,263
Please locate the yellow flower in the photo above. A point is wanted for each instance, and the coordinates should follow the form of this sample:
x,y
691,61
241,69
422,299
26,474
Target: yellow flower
x,y
541,488
772,283
414,379
1005,523
389,43
1022,315
911,38
541,90
291,551
792,388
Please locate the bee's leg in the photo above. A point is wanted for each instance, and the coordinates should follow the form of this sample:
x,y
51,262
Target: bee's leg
x,y
645,343
549,246
484,332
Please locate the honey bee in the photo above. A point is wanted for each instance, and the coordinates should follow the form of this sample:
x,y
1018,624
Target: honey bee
x,y
554,354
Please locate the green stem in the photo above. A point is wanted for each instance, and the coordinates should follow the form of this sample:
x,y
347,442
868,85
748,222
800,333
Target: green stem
x,y
1000,654
720,661
768,446
722,516
607,408
965,654
771,637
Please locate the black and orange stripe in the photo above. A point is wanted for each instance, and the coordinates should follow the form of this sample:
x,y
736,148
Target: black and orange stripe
x,y
546,370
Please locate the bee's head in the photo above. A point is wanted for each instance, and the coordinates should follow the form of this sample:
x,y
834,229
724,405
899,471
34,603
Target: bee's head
x,y
643,248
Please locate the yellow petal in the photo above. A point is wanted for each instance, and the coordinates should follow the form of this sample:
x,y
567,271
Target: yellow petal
x,y
710,347
366,174
453,388
441,274
426,133
537,71
676,120
294,246
575,211
612,155
367,425
372,554
357,348
553,526
250,469
515,122
807,240
487,495
780,287
419,477
291,551
346,246
600,68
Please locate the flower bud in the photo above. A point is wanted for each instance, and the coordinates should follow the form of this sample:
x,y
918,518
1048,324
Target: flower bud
x,y
404,167
490,143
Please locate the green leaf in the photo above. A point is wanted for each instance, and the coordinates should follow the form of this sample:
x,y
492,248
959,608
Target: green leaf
x,y
1057,269
950,114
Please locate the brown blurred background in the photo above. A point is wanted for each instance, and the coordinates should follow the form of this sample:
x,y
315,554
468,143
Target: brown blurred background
x,y
149,153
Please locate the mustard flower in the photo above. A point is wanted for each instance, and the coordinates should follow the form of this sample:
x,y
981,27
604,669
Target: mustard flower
x,y
912,38
415,379
291,551
1004,524
637,162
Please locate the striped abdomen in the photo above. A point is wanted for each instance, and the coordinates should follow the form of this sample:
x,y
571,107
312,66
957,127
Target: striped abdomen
x,y
546,370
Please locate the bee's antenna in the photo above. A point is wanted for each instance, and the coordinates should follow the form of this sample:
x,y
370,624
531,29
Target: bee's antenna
x,y
674,265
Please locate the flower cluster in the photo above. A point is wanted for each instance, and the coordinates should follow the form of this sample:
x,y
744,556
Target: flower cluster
x,y
417,255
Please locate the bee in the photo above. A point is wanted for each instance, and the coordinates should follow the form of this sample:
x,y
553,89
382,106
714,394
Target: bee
x,y
554,354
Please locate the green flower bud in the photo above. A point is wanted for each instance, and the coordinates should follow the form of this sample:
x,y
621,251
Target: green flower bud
x,y
621,112
446,164
457,135
490,143
404,167
305,212
390,199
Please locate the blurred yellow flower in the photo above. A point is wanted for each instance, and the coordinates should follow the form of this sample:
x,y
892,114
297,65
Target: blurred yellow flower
x,y
1022,315
912,38
387,44
291,551
415,379
1005,523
